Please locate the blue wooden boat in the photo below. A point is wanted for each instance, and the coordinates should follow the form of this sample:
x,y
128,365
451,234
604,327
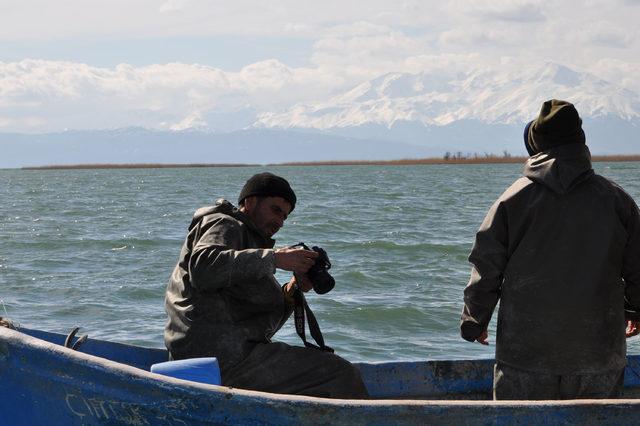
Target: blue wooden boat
x,y
44,383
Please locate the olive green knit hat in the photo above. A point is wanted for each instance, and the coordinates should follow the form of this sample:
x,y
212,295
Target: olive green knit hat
x,y
557,124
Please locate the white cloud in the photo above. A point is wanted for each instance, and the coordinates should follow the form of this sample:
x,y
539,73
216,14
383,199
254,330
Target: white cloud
x,y
521,11
360,57
447,64
622,72
350,43
608,35
466,38
71,95
79,18
356,29
173,6
44,96
192,121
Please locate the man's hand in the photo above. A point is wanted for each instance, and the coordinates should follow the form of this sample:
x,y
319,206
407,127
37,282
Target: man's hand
x,y
303,282
633,328
482,338
296,260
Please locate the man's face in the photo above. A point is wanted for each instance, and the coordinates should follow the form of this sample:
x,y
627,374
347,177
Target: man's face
x,y
267,213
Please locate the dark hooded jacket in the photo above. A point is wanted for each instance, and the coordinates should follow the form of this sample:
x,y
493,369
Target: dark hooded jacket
x,y
560,249
222,298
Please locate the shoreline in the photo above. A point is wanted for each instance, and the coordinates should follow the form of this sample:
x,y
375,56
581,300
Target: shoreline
x,y
402,162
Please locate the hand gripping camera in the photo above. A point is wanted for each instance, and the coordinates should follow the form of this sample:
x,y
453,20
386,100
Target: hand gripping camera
x,y
322,283
318,274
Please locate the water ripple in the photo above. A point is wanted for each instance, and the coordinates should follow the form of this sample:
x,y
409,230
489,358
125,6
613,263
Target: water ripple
x,y
95,248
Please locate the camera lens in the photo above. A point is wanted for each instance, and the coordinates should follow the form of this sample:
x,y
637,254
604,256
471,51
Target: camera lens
x,y
323,282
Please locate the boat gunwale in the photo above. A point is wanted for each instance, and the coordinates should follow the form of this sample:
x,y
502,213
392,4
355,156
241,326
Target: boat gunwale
x,y
16,337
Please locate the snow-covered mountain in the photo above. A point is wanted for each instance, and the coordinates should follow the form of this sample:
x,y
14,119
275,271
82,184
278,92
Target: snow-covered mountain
x,y
478,110
490,96
397,115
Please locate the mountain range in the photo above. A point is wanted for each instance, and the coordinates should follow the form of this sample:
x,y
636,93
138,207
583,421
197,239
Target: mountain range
x,y
397,115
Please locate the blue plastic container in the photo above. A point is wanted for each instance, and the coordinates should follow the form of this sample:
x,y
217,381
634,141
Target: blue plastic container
x,y
202,370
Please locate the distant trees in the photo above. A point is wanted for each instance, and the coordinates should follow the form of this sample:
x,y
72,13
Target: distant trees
x,y
455,156
459,155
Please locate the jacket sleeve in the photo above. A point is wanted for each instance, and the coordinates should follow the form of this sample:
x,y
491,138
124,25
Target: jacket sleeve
x,y
631,262
217,260
488,258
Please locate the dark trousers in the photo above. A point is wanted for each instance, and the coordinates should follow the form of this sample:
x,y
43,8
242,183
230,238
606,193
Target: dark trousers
x,y
513,383
280,368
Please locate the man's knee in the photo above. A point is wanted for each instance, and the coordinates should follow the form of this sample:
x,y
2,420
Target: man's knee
x,y
343,379
281,368
353,383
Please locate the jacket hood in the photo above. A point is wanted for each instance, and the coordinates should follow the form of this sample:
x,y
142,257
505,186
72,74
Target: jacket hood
x,y
221,206
561,168
225,207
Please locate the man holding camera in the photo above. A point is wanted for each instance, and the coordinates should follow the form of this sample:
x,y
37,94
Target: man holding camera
x,y
223,300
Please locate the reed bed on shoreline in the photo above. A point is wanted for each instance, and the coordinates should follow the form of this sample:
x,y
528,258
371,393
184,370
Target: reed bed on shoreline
x,y
402,162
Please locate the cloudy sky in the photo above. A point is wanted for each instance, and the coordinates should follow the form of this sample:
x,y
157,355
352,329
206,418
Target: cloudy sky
x,y
177,64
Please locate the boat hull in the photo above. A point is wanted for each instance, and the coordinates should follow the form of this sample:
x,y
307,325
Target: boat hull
x,y
45,383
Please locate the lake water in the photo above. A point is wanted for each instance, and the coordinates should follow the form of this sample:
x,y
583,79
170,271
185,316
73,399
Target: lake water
x,y
94,248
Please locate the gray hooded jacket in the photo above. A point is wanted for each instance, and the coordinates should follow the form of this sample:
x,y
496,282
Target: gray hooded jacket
x,y
222,298
560,249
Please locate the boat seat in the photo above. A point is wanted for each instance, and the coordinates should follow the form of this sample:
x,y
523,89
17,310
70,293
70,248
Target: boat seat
x,y
201,370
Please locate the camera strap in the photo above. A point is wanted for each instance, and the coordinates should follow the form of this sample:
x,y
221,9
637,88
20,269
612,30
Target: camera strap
x,y
300,307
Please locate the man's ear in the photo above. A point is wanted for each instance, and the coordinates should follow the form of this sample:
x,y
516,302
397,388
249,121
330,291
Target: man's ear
x,y
250,203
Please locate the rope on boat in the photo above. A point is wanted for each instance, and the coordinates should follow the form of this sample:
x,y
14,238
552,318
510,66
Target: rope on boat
x,y
69,339
4,321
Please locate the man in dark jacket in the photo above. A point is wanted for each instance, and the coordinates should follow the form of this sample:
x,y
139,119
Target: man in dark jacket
x,y
560,249
224,301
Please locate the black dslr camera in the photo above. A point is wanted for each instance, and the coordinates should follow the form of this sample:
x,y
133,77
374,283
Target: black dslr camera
x,y
322,281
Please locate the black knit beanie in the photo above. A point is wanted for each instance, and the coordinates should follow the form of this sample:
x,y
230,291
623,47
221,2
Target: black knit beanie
x,y
268,185
557,124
